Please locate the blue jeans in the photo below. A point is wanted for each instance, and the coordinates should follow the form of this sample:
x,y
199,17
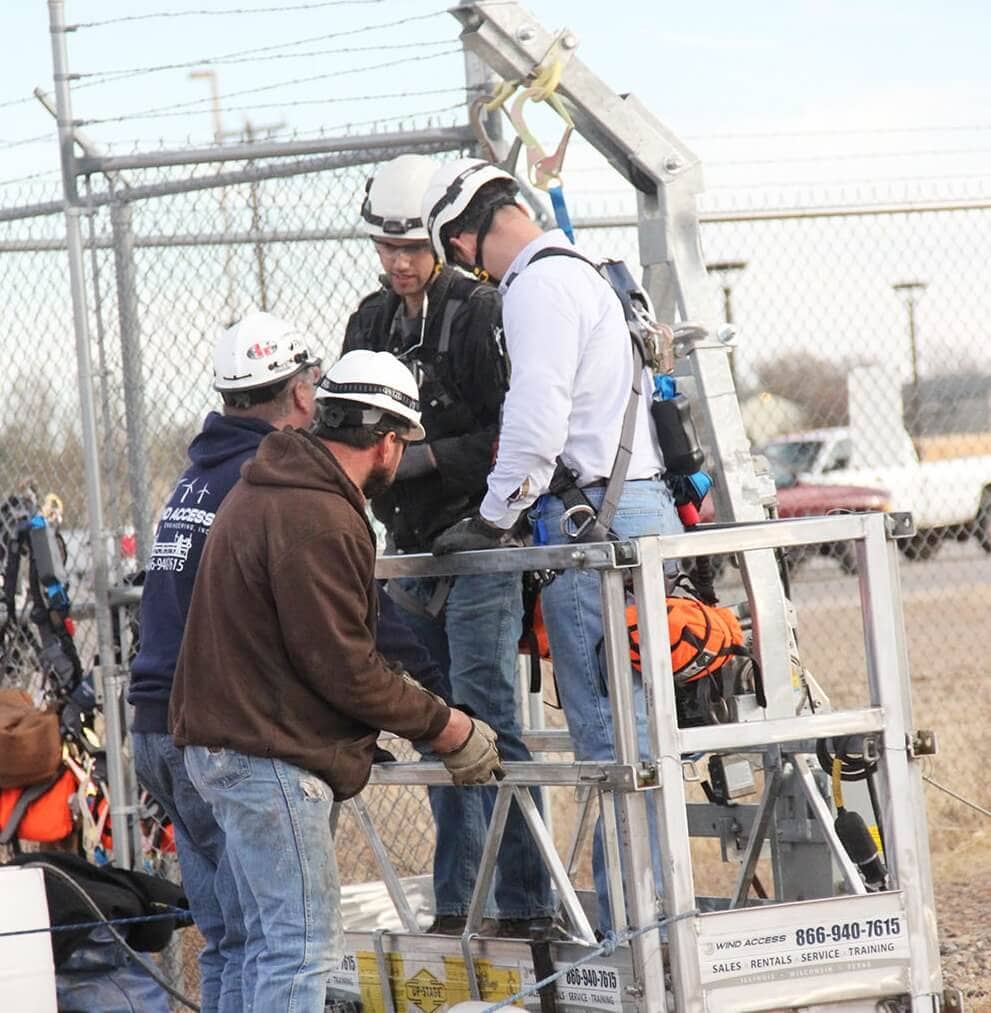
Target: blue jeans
x,y
276,818
475,641
207,878
572,608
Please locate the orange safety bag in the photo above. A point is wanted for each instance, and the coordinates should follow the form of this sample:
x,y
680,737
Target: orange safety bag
x,y
48,818
703,638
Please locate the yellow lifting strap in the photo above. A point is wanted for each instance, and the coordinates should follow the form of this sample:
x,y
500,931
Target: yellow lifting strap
x,y
542,169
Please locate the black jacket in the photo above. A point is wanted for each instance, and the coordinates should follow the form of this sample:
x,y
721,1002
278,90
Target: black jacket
x,y
461,393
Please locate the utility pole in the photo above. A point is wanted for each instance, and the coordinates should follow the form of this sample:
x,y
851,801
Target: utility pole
x,y
209,75
727,271
911,292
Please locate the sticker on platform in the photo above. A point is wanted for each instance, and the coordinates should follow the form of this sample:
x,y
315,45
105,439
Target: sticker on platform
x,y
344,978
425,992
591,986
856,934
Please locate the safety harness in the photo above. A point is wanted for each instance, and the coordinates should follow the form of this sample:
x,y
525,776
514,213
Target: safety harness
x,y
50,604
582,521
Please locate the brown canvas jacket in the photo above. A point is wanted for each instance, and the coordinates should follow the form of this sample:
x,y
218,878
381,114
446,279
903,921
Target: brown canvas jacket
x,y
278,657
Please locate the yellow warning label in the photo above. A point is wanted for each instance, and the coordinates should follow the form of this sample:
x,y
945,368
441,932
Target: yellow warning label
x,y
493,982
372,1000
426,991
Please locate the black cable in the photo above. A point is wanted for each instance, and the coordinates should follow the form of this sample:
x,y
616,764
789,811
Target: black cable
x,y
94,907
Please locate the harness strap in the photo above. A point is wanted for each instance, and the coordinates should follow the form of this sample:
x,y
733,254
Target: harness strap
x,y
451,307
430,609
595,525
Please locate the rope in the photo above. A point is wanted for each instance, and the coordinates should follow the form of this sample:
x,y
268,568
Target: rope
x,y
953,794
176,913
606,948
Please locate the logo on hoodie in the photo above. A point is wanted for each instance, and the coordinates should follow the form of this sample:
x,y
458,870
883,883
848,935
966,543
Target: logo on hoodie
x,y
260,351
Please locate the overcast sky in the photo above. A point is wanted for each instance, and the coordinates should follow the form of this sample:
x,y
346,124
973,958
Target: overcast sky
x,y
809,91
788,104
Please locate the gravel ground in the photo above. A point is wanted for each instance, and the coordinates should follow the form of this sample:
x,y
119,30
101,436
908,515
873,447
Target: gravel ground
x,y
963,909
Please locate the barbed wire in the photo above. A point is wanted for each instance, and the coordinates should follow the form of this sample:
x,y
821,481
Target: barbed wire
x,y
838,132
198,104
4,145
333,100
112,76
313,5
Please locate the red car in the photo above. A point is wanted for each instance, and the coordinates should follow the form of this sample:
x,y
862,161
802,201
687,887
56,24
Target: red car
x,y
809,499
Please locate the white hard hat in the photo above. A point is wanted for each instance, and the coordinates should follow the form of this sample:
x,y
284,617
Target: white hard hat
x,y
394,196
452,188
379,383
259,351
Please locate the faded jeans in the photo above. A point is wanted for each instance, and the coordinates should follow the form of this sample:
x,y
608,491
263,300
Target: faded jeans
x,y
572,609
276,818
207,878
475,641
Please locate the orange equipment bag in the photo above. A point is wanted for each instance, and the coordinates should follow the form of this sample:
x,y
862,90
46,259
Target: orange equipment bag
x,y
703,638
48,818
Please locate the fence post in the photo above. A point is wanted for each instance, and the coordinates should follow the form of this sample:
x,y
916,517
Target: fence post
x,y
123,789
135,421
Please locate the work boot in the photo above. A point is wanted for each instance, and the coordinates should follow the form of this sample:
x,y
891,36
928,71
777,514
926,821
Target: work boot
x,y
545,928
454,925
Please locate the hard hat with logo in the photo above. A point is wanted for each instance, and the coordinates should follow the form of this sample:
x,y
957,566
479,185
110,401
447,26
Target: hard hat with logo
x,y
393,198
453,187
363,387
259,352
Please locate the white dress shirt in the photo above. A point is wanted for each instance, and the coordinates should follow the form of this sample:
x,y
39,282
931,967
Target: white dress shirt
x,y
571,361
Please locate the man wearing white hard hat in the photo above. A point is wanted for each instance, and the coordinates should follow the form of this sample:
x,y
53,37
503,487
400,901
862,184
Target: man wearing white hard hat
x,y
279,691
446,326
565,414
265,370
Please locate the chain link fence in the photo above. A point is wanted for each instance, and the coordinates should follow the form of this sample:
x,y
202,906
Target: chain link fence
x,y
172,256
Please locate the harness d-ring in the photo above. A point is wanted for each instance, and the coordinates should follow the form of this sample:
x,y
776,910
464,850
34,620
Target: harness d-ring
x,y
574,532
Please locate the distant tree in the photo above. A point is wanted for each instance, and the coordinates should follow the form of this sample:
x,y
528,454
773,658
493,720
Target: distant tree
x,y
817,384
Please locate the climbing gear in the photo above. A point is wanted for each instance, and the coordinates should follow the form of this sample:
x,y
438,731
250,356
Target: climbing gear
x,y
453,187
703,638
254,359
363,386
394,196
58,658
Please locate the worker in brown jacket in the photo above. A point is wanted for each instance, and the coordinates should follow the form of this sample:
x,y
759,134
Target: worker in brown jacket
x,y
279,692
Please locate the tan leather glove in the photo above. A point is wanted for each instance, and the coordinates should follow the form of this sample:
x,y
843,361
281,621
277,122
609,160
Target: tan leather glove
x,y
477,758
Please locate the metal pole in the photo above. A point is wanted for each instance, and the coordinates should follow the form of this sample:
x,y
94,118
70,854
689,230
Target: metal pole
x,y
911,290
105,673
218,137
256,219
479,80
133,376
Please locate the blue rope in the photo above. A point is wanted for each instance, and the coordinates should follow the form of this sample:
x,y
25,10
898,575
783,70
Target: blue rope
x,y
561,215
179,914
606,948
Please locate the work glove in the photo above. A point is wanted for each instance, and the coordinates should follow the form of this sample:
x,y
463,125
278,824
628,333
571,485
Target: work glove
x,y
417,460
473,533
477,758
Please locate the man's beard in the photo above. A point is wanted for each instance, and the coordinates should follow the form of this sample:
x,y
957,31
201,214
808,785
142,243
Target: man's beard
x,y
378,481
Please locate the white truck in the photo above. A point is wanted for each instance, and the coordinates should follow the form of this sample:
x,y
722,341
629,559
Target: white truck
x,y
949,498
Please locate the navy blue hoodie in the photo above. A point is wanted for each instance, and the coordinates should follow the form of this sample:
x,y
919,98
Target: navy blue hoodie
x,y
216,456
